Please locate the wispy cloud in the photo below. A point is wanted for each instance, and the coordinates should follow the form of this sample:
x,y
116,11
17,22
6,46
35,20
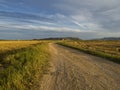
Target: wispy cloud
x,y
103,14
42,28
23,16
83,18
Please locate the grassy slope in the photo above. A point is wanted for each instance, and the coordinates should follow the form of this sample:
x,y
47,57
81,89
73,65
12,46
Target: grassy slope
x,y
23,68
96,53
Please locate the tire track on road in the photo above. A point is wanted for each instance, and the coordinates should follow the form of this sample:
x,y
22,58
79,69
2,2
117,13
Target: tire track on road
x,y
74,70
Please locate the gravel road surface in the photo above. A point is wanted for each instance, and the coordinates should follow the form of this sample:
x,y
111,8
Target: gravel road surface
x,y
73,70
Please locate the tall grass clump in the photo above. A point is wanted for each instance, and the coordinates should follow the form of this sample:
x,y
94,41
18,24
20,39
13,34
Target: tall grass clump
x,y
23,69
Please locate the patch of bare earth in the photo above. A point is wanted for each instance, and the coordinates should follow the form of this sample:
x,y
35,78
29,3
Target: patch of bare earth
x,y
74,70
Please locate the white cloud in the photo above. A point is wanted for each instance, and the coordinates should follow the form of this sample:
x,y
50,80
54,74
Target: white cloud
x,y
41,27
93,14
94,17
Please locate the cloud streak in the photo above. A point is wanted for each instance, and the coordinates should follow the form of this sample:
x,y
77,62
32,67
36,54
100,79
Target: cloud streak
x,y
84,18
24,16
102,13
42,28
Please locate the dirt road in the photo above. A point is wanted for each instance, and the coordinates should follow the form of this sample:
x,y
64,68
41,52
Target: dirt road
x,y
74,70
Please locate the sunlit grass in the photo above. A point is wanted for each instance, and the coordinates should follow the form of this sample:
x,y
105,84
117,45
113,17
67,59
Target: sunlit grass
x,y
22,69
10,45
105,49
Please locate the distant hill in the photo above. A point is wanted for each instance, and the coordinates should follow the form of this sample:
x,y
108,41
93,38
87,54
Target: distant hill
x,y
60,38
107,38
111,38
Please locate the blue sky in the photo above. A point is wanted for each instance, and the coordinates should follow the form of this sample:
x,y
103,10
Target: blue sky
x,y
86,19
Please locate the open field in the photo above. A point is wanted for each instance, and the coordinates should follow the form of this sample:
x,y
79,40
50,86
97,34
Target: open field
x,y
22,64
11,45
44,65
105,49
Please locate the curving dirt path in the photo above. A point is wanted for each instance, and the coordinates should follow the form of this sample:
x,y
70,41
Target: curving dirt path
x,y
74,70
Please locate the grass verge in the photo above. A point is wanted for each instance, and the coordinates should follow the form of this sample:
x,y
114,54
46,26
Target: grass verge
x,y
23,69
92,52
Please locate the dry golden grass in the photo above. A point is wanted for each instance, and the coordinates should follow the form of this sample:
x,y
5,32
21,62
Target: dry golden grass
x,y
11,45
22,64
105,49
110,47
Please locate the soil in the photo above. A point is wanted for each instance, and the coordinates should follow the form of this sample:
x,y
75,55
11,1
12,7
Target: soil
x,y
73,70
